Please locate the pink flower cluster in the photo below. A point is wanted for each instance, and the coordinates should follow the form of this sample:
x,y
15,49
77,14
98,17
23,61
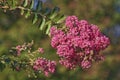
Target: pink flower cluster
x,y
45,65
79,44
19,48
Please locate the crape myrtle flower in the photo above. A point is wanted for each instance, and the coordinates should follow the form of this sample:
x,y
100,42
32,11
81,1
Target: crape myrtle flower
x,y
33,60
44,65
80,45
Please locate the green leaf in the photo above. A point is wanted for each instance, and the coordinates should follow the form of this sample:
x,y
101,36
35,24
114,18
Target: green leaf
x,y
42,24
25,3
47,11
31,4
27,14
13,4
9,2
47,22
39,6
2,66
62,18
35,18
48,28
22,11
54,12
53,15
57,18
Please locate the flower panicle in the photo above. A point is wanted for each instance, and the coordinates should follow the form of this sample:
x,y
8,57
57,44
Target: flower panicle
x,y
80,45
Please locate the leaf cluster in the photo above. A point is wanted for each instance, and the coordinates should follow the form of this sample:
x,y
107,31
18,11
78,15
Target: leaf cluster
x,y
44,17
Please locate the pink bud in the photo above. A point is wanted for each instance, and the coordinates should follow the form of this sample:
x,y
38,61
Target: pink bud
x,y
41,50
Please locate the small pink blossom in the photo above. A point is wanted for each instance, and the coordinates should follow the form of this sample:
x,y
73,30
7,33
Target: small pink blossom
x,y
71,21
19,49
85,64
40,50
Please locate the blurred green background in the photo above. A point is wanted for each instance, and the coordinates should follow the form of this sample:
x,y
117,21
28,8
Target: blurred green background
x,y
15,29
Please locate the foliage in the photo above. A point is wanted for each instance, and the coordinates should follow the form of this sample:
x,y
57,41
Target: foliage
x,y
44,17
